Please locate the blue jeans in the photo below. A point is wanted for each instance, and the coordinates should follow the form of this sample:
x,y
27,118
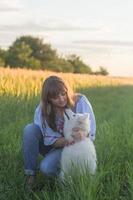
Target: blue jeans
x,y
33,146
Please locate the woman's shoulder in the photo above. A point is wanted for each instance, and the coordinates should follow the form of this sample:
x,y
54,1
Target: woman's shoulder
x,y
38,107
80,100
80,97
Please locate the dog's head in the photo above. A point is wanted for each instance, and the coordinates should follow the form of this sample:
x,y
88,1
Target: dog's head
x,y
72,120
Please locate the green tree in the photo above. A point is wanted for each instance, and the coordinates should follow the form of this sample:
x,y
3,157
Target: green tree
x,y
40,51
19,55
78,65
102,71
60,65
28,51
2,57
31,52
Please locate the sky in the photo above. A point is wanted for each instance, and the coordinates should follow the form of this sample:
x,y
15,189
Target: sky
x,y
99,31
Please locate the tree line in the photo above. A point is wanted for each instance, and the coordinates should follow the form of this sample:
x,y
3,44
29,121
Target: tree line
x,y
32,53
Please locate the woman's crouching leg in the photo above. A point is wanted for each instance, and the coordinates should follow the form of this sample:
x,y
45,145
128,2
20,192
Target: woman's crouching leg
x,y
50,165
31,139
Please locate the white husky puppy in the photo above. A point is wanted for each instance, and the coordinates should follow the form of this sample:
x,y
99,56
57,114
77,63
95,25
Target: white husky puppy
x,y
81,154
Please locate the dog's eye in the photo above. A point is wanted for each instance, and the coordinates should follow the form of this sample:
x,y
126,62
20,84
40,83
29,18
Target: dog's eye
x,y
74,115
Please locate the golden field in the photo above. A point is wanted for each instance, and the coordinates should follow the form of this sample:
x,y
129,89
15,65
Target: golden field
x,y
22,81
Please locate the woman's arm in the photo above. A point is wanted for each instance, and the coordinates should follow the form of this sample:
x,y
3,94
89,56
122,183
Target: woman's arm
x,y
38,118
62,142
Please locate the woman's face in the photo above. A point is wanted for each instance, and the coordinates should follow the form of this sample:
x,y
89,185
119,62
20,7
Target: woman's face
x,y
60,100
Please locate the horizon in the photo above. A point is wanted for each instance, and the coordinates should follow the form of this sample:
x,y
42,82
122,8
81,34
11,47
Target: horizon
x,y
99,32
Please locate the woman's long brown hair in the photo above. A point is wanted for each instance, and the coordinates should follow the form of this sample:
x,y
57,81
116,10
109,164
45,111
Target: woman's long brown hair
x,y
51,88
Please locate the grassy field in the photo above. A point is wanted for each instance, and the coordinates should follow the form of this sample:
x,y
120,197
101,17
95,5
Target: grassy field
x,y
112,101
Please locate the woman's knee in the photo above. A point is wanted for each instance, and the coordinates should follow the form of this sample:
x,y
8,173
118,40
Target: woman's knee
x,y
31,131
45,168
51,163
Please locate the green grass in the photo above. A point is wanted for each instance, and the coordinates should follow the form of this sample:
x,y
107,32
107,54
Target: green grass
x,y
113,107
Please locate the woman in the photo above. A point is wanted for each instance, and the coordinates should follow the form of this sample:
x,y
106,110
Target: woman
x,y
45,135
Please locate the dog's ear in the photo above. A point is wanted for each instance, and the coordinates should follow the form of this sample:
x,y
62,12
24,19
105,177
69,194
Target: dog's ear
x,y
86,115
83,118
69,113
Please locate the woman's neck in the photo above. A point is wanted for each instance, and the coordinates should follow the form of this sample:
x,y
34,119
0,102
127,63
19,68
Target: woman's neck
x,y
59,111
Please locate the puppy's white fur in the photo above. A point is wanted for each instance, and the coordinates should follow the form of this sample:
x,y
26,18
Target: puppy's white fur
x,y
82,153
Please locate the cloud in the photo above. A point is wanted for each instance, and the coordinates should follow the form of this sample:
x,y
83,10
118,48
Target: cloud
x,y
105,43
47,25
60,24
10,5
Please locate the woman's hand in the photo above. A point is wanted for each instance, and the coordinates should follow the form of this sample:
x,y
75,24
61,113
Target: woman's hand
x,y
70,141
62,142
78,134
